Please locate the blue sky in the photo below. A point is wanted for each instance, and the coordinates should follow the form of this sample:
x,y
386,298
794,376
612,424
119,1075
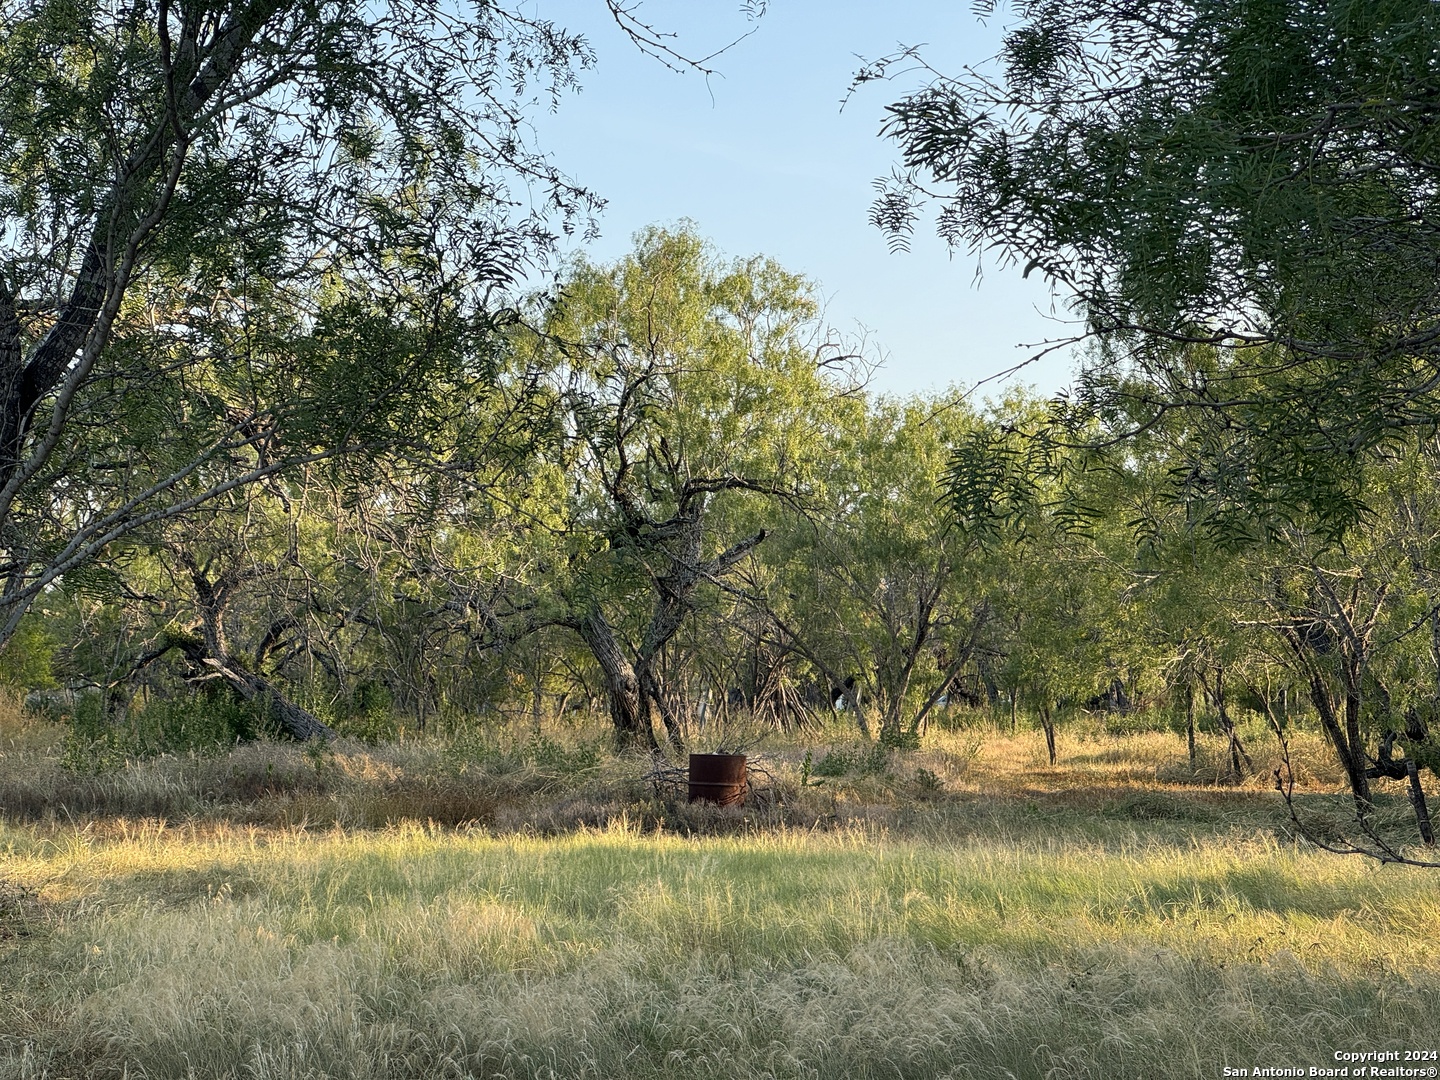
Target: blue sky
x,y
764,161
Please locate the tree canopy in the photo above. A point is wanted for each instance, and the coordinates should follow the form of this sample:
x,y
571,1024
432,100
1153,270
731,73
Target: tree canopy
x,y
1239,200
244,235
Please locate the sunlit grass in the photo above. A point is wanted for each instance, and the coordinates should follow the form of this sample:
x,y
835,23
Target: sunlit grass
x,y
1103,919
425,952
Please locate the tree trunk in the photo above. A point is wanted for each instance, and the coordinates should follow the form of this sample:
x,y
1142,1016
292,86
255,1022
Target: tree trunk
x,y
1047,721
851,692
1351,759
653,693
1352,728
1190,724
1237,748
1435,642
1417,800
1344,737
292,719
628,708
918,724
212,650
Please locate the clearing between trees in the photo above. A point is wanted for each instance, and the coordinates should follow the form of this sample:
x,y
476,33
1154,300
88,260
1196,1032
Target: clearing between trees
x,y
529,905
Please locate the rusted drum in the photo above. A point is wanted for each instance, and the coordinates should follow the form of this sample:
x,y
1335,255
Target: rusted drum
x,y
717,778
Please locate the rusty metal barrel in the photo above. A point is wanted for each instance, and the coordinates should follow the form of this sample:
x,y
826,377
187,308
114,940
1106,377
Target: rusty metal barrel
x,y
717,778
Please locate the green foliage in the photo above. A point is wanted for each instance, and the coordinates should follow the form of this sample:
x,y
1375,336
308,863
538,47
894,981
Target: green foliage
x,y
928,782
235,238
1238,199
1005,474
27,659
874,578
205,724
899,739
859,761
695,408
1425,756
370,716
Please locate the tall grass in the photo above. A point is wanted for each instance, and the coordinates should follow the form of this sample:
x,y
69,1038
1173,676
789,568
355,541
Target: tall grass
x,y
1001,919
172,952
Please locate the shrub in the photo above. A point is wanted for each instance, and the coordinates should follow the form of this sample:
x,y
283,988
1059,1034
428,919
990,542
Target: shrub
x,y
864,761
369,715
928,782
27,659
206,724
898,739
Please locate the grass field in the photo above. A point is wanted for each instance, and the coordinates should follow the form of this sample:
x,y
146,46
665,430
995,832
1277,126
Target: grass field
x,y
531,908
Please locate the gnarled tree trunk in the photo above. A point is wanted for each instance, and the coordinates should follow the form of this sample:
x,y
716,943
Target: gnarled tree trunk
x,y
629,710
292,719
212,651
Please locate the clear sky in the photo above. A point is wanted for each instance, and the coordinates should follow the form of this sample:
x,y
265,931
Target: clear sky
x,y
764,161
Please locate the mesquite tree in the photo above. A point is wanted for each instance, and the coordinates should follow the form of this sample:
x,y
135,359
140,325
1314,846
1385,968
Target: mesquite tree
x,y
874,584
690,386
212,212
1254,178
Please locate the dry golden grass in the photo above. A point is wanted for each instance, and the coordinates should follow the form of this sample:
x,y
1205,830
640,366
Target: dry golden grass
x,y
527,909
